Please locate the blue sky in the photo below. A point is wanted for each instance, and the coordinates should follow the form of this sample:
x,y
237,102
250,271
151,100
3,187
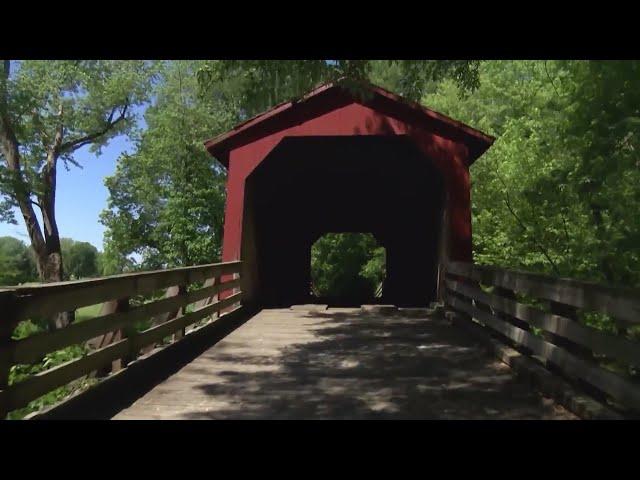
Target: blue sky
x,y
81,194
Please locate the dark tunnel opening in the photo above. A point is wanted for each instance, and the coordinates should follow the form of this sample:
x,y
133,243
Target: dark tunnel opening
x,y
308,186
347,269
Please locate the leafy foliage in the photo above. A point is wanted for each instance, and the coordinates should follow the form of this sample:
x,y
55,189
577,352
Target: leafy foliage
x,y
85,96
347,265
166,199
48,110
18,373
557,192
256,85
81,259
16,262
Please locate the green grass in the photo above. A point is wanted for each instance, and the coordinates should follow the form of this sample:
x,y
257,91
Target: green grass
x,y
85,313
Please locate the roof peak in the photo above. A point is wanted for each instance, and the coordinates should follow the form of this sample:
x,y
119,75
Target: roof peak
x,y
220,146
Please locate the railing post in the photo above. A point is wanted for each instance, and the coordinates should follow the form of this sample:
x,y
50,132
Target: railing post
x,y
451,313
622,328
112,306
5,367
510,295
566,311
182,290
6,330
216,281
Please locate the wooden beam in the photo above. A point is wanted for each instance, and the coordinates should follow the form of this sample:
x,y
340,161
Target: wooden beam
x,y
622,303
618,388
31,349
612,346
20,394
116,320
47,299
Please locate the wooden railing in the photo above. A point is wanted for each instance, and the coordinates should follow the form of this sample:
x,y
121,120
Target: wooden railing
x,y
378,293
193,294
543,317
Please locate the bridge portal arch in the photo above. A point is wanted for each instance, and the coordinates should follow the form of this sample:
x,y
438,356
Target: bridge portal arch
x,y
311,185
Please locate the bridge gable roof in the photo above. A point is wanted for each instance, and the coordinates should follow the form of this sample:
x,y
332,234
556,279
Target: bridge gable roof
x,y
332,96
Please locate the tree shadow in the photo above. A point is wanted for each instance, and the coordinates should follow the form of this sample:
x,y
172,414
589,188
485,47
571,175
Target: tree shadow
x,y
347,365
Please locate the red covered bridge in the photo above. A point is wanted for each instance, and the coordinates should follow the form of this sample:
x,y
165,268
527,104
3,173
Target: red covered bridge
x,y
338,161
245,339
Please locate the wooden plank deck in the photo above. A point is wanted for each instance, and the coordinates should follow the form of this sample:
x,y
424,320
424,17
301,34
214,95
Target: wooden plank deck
x,y
341,363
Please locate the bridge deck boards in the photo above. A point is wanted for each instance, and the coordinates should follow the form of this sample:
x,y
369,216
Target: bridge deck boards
x,y
343,364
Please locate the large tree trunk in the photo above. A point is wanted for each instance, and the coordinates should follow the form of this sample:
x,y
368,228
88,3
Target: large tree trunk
x,y
46,247
49,261
50,269
45,242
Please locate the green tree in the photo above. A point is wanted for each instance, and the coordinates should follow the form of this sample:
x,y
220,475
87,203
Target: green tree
x,y
48,110
16,262
256,85
375,268
80,259
557,192
167,198
346,265
602,129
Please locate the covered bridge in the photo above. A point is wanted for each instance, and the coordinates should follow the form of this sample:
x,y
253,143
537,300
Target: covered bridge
x,y
341,160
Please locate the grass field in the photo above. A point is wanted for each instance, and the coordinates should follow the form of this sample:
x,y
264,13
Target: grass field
x,y
85,313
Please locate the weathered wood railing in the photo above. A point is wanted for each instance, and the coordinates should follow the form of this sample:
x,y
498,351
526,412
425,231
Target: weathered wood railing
x,y
193,294
551,332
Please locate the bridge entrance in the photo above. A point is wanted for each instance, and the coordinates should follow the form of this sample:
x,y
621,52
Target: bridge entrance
x,y
311,185
339,161
347,269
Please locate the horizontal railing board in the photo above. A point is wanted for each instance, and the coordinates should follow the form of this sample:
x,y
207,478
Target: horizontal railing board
x,y
621,303
21,393
231,284
158,332
50,298
618,388
55,286
613,346
31,349
112,393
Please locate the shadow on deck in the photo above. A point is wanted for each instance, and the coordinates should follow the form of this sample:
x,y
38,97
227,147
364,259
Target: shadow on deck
x,y
343,364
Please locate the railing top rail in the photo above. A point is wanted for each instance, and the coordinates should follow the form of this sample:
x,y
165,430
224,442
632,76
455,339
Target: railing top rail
x,y
625,291
45,299
70,284
621,302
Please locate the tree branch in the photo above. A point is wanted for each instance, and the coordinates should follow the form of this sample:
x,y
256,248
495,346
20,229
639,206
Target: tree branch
x,y
3,90
540,247
90,138
549,77
57,139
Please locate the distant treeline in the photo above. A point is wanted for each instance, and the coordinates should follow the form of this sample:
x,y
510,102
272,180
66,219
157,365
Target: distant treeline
x,y
18,265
